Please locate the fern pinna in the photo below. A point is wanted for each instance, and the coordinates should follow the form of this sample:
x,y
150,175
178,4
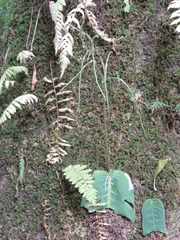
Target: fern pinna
x,y
63,41
58,105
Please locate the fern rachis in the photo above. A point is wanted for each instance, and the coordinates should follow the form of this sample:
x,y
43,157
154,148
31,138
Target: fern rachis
x,y
56,105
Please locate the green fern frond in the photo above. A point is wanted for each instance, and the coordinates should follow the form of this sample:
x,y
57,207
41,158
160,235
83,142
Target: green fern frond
x,y
21,169
15,104
55,8
83,180
154,106
11,72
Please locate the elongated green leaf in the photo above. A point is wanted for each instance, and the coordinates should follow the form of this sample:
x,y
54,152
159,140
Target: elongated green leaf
x,y
159,168
153,216
115,191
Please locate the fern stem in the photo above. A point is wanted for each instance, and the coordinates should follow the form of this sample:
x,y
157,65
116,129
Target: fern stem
x,y
57,113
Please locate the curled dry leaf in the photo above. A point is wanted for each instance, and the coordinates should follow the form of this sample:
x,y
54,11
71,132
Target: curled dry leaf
x,y
34,79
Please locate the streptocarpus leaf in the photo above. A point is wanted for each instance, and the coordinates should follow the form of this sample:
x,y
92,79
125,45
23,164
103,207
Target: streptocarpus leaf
x,y
115,191
159,168
153,216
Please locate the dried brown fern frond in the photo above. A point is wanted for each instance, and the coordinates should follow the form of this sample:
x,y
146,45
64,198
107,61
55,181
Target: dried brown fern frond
x,y
92,21
56,103
71,17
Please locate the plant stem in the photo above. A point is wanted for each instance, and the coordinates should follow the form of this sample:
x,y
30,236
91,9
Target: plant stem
x,y
80,78
35,28
135,102
74,77
106,104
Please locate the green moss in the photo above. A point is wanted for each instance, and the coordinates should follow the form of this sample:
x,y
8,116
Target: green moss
x,y
146,59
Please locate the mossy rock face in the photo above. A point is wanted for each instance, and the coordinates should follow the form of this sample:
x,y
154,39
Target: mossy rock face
x,y
146,58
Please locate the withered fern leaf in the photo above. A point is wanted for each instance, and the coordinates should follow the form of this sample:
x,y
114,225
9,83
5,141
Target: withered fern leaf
x,y
59,105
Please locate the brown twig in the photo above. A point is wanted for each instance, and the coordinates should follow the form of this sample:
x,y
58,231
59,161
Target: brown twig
x,y
30,24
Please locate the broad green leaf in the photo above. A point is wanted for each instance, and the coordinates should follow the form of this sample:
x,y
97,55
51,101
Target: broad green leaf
x,y
159,168
127,7
115,191
153,216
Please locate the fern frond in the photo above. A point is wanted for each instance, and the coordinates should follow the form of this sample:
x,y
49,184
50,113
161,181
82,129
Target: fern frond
x,y
175,4
55,155
154,106
21,169
55,8
24,55
11,72
71,17
66,49
9,83
15,104
92,20
56,152
82,179
59,107
59,32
